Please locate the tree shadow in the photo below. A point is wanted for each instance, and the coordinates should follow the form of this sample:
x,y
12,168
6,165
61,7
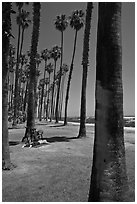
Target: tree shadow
x,y
41,123
59,139
13,143
59,125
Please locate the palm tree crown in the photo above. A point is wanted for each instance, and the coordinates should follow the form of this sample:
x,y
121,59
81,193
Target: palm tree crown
x,y
65,68
49,68
61,22
77,19
56,52
45,54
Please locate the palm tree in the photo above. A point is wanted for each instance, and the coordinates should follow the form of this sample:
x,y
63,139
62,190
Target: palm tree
x,y
45,95
109,179
65,69
76,22
23,62
6,28
11,71
82,129
45,55
32,73
26,72
49,70
61,24
38,62
55,54
24,22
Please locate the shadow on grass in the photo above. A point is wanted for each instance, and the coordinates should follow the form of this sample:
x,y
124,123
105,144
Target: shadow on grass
x,y
41,123
59,125
13,143
59,139
16,128
50,140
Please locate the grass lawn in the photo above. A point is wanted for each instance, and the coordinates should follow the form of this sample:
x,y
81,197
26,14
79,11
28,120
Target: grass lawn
x,y
58,171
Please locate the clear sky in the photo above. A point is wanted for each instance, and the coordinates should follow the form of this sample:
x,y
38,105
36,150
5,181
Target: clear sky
x,y
49,37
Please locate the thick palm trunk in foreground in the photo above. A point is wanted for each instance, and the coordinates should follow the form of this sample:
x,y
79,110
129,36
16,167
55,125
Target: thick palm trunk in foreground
x,y
82,129
32,81
109,179
6,27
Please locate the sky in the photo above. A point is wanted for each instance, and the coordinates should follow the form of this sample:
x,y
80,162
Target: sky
x,y
49,37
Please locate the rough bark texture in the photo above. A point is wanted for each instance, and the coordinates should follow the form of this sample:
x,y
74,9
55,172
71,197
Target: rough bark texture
x,y
69,79
82,130
32,81
6,27
109,179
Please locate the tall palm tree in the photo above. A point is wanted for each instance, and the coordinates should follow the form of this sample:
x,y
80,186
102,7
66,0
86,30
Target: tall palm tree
x,y
49,70
32,73
23,62
26,72
76,22
11,71
45,55
55,55
61,24
38,62
109,179
24,22
82,129
6,29
65,69
45,96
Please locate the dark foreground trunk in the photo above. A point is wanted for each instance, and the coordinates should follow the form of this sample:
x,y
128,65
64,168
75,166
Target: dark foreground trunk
x,y
6,26
109,179
32,75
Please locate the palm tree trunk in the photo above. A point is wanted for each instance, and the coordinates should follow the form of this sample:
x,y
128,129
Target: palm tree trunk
x,y
6,26
12,97
32,75
22,40
47,107
25,96
69,79
45,102
16,81
58,91
109,179
21,46
42,92
52,99
35,92
82,129
62,93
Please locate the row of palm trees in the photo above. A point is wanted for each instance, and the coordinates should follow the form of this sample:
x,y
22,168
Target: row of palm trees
x,y
108,178
23,80
76,21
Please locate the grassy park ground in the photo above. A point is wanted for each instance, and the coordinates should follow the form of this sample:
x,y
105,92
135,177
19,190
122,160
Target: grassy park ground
x,y
59,171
